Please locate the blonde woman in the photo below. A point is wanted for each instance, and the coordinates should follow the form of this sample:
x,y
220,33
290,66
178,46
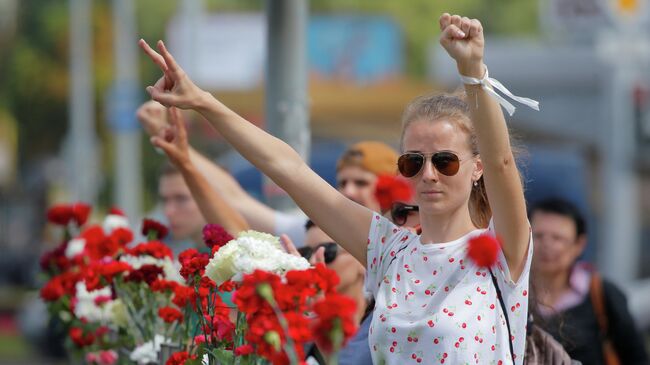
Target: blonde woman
x,y
432,304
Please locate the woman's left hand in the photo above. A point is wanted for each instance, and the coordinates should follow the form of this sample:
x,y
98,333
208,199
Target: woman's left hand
x,y
463,40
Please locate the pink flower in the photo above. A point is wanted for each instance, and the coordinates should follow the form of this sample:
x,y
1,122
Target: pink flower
x,y
108,357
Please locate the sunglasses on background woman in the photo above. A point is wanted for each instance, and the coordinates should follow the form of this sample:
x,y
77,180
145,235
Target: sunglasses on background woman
x,y
399,212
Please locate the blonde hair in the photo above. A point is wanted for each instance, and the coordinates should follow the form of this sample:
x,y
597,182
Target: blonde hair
x,y
454,109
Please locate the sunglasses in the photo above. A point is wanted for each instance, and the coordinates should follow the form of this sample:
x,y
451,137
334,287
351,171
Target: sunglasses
x,y
399,212
411,163
331,250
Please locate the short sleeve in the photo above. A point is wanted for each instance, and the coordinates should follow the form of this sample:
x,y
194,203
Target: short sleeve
x,y
293,225
385,242
501,269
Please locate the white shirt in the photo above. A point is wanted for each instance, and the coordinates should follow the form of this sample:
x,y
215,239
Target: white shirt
x,y
434,305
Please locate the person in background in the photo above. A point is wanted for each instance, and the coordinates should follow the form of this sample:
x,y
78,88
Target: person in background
x,y
210,204
357,172
319,247
566,290
181,212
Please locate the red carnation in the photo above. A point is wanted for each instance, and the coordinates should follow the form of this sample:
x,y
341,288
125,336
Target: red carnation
x,y
326,279
161,285
53,290
116,211
250,299
169,314
182,295
244,350
60,214
391,189
153,230
192,263
122,236
179,358
335,324
215,235
80,213
106,247
268,337
146,273
55,260
483,250
153,248
79,338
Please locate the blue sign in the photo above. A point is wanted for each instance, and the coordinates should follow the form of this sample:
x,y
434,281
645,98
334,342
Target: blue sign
x,y
356,48
122,102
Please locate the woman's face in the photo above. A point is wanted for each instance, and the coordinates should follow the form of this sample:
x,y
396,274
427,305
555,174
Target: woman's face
x,y
436,193
557,245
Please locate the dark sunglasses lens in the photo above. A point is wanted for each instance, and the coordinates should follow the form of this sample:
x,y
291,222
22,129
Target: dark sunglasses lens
x,y
410,164
331,251
446,163
306,252
399,214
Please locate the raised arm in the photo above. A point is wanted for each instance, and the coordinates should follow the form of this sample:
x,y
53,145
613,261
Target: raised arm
x,y
346,222
213,207
153,117
463,40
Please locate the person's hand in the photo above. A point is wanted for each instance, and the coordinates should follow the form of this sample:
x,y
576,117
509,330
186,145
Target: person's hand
x,y
175,88
463,39
153,118
317,257
289,246
174,142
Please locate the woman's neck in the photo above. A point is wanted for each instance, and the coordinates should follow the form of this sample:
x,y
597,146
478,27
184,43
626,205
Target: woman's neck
x,y
444,228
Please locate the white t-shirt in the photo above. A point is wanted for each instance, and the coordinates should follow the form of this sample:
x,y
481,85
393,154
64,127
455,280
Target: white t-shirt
x,y
434,305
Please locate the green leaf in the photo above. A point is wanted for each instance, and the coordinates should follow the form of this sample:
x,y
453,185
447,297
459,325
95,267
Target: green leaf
x,y
223,356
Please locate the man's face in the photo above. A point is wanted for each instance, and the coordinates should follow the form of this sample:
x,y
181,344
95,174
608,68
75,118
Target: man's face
x,y
556,243
358,185
185,218
348,269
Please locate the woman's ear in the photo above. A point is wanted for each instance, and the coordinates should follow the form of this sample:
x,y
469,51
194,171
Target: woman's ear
x,y
478,169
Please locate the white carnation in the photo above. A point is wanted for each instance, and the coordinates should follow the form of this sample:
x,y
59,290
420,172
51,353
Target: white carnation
x,y
114,221
148,351
88,309
251,251
75,247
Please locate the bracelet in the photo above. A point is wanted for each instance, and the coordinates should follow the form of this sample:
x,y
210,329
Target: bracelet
x,y
488,84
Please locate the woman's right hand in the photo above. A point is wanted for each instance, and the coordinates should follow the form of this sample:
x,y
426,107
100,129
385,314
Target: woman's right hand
x,y
175,144
175,88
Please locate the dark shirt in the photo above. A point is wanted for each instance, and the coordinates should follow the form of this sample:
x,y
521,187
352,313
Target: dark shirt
x,y
577,330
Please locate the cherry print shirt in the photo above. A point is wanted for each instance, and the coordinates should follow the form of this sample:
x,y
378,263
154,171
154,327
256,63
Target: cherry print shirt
x,y
434,305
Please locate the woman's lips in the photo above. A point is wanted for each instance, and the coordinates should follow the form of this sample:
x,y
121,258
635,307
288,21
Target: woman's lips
x,y
431,192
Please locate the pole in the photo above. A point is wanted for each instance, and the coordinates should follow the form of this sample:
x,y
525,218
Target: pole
x,y
122,105
287,112
83,172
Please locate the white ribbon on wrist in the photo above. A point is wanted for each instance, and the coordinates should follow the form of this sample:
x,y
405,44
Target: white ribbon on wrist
x,y
487,81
